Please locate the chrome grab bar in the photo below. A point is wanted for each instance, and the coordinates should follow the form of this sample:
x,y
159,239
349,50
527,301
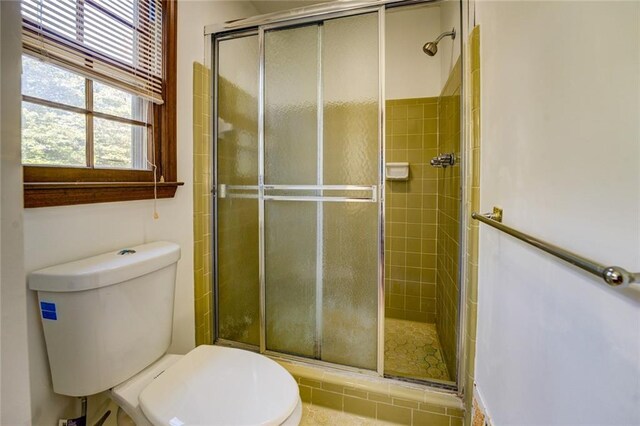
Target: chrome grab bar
x,y
614,276
240,191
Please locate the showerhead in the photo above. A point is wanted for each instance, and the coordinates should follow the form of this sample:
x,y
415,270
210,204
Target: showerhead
x,y
431,47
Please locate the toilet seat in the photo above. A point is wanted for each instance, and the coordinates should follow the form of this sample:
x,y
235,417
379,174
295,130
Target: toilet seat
x,y
126,394
213,385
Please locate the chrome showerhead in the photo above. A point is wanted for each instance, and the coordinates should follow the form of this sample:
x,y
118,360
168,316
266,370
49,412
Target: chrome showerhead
x,y
431,47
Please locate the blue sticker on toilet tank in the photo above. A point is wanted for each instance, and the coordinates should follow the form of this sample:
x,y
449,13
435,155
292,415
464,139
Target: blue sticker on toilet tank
x,y
48,306
49,315
48,310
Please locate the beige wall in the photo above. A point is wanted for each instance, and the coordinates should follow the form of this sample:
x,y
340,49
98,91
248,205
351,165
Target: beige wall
x,y
409,72
14,367
560,154
448,49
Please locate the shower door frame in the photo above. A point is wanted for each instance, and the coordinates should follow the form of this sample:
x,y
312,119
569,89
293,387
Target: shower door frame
x,y
298,17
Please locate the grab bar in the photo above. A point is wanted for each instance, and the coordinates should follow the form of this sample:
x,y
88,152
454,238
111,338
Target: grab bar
x,y
614,276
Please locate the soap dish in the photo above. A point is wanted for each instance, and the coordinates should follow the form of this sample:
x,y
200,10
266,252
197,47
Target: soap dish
x,y
397,171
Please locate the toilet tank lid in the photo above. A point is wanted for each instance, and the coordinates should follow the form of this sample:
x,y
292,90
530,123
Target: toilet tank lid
x,y
105,269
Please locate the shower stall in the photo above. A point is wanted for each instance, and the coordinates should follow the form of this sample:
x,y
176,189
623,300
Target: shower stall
x,y
302,224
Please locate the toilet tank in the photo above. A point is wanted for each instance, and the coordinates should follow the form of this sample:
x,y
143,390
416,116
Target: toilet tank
x,y
107,317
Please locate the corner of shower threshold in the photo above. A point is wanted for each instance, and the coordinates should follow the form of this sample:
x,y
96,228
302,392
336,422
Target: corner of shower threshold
x,y
387,390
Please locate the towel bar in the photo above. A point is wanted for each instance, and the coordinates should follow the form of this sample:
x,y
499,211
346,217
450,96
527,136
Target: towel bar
x,y
614,276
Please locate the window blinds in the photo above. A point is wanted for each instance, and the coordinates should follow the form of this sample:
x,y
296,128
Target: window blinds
x,y
118,42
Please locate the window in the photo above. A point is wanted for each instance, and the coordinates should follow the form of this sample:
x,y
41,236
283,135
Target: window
x,y
77,122
98,110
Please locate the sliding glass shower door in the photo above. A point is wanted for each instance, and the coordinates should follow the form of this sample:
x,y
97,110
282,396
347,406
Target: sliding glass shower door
x,y
317,190
321,179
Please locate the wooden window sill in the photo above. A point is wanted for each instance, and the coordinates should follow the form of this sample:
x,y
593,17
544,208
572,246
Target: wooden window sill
x,y
49,194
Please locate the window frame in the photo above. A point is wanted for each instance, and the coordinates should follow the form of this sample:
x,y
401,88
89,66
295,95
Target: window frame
x,y
46,186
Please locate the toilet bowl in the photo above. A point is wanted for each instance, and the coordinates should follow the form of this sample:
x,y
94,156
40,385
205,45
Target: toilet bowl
x,y
107,324
211,385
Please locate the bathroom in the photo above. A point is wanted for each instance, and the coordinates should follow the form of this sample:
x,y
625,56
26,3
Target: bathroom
x,y
549,90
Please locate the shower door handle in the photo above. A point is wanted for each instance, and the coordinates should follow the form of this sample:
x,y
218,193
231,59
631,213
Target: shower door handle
x,y
315,193
364,193
236,191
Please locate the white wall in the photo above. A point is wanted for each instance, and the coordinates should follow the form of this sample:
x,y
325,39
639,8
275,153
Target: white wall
x,y
14,368
561,155
60,234
449,49
410,73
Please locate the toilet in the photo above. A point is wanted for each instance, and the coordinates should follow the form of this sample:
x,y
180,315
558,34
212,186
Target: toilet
x,y
107,324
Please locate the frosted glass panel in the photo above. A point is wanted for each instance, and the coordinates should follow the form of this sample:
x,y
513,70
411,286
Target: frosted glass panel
x,y
291,110
290,248
350,76
351,151
237,163
291,107
350,282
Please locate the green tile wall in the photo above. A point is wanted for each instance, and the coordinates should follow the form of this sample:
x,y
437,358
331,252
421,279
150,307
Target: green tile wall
x,y
472,180
448,235
411,210
423,214
201,204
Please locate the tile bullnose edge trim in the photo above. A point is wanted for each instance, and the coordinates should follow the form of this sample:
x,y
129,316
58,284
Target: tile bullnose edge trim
x,y
381,386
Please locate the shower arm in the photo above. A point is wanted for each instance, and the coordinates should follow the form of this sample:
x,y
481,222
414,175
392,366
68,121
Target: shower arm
x,y
451,33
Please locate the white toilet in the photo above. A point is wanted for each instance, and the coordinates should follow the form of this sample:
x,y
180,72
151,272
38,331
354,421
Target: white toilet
x,y
107,324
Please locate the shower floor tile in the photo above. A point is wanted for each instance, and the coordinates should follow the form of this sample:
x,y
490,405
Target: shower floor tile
x,y
315,415
412,349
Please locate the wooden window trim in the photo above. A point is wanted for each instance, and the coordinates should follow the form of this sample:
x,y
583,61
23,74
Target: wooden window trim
x,y
46,186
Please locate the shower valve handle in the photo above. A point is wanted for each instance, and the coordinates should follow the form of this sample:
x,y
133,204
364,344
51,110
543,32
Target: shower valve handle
x,y
443,160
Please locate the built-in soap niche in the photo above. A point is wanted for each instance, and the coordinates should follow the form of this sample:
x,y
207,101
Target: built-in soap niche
x,y
397,171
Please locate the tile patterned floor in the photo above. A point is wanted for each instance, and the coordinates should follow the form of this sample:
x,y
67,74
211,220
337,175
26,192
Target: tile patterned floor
x,y
412,349
314,415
